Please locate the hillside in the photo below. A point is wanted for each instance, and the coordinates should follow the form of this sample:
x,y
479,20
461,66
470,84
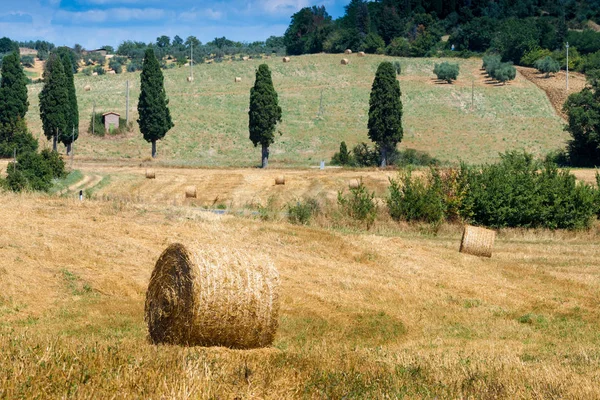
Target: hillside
x,y
210,114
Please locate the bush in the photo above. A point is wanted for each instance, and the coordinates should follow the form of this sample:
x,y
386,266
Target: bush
x,y
373,43
414,200
397,67
32,171
16,138
547,65
28,61
534,55
504,72
302,211
519,192
99,70
115,65
343,157
134,66
55,162
364,156
408,157
446,71
398,47
359,205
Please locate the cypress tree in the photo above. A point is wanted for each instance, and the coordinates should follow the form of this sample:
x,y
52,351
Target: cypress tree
x,y
385,110
264,112
54,100
155,117
72,131
13,92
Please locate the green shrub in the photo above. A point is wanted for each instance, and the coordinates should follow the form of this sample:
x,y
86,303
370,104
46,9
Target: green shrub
x,y
404,158
302,211
15,179
446,71
397,67
364,156
32,171
504,72
55,162
547,65
413,199
99,70
343,157
530,57
28,61
398,47
359,205
490,61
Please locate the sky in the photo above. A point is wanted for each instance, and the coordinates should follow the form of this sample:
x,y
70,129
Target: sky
x,y
96,23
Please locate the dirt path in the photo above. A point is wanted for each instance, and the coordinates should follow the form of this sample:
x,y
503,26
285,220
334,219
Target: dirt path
x,y
555,86
88,182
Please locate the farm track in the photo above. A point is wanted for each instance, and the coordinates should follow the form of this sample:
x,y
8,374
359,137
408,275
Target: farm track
x,y
555,86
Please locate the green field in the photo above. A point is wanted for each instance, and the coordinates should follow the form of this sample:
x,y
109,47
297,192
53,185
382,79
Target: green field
x,y
211,119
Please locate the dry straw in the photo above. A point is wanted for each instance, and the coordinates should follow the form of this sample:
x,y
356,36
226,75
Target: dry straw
x,y
280,180
477,241
345,61
361,53
354,183
190,79
190,192
348,51
209,297
150,174
87,88
286,59
238,79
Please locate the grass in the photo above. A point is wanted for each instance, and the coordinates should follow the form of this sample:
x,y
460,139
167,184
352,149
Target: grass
x,y
379,314
210,115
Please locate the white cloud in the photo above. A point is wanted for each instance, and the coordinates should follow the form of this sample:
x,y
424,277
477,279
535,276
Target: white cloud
x,y
109,15
286,7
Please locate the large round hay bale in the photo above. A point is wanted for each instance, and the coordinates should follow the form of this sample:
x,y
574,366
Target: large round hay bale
x,y
87,88
150,174
477,241
361,53
354,183
111,72
348,51
94,74
345,61
280,180
190,192
190,79
286,59
209,297
238,79
245,58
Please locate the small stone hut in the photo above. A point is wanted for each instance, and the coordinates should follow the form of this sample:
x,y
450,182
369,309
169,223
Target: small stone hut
x,y
111,121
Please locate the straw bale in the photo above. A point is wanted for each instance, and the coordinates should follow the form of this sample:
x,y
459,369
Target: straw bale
x,y
477,241
345,61
201,296
111,72
190,79
150,174
361,53
245,58
354,183
87,88
190,192
286,59
280,180
238,79
94,74
348,51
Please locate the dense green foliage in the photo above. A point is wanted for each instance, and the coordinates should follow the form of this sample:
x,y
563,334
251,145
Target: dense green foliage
x,y
498,70
301,212
34,171
516,192
13,103
97,127
72,130
264,112
154,115
16,138
385,111
358,205
342,157
583,112
55,107
446,71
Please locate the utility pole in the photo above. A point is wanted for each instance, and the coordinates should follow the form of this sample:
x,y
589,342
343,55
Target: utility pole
x,y
192,60
127,104
567,66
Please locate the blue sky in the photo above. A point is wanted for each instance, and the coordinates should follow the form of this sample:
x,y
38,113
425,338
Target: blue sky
x,y
94,23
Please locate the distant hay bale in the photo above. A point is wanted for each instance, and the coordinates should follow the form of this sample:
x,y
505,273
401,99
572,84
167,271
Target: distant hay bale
x,y
286,59
280,180
190,79
94,74
361,53
87,88
348,51
354,183
238,79
150,174
190,192
245,58
111,72
345,61
477,241
212,297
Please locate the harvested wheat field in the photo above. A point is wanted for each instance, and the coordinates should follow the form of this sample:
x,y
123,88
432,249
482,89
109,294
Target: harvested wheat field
x,y
390,313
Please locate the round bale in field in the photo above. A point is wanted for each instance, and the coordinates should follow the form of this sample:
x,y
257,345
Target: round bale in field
x,y
286,59
87,88
206,296
477,241
94,74
280,180
348,51
190,192
238,79
354,184
345,61
150,174
190,78
361,53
